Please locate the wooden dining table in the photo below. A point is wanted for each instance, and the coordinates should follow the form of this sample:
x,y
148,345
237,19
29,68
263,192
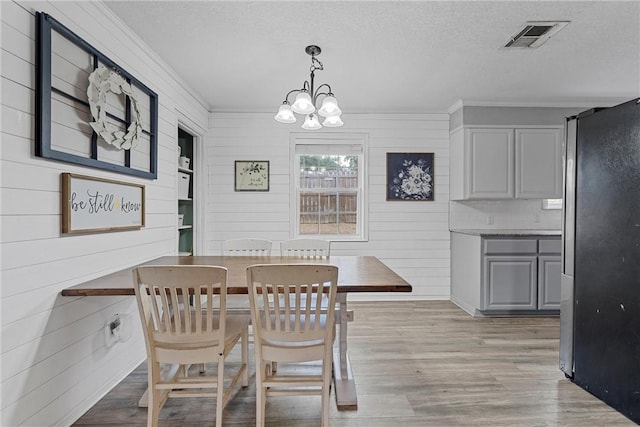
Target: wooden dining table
x,y
355,274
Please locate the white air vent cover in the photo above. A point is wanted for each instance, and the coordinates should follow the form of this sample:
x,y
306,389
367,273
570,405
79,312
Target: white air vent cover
x,y
535,34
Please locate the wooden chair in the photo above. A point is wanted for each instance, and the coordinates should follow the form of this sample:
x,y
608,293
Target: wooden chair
x,y
178,335
247,247
289,329
306,248
244,247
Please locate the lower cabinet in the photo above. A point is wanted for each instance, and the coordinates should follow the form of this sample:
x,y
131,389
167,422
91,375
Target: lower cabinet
x,y
521,273
510,283
549,276
506,274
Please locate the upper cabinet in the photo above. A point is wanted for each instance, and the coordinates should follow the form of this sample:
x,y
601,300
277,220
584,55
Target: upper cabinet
x,y
506,163
489,163
538,163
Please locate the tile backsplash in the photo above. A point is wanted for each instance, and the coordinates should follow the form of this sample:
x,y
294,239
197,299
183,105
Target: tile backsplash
x,y
503,214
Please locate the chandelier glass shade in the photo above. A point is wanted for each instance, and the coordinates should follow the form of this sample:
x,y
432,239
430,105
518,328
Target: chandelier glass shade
x,y
311,122
329,107
332,122
285,114
306,100
303,104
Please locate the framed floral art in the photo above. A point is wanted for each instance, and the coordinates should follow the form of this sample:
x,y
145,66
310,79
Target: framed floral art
x,y
410,176
252,175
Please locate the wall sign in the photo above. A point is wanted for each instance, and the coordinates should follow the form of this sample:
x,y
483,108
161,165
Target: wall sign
x,y
93,205
410,176
252,175
89,110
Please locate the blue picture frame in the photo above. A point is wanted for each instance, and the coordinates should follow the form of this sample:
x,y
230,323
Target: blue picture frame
x,y
410,177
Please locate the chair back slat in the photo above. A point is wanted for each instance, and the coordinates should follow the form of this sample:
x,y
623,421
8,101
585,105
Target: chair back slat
x,y
306,248
247,247
286,302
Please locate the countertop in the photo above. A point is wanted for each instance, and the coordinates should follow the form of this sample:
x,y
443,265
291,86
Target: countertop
x,y
502,232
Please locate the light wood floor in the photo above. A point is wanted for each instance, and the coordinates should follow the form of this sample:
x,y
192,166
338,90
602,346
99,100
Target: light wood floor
x,y
415,364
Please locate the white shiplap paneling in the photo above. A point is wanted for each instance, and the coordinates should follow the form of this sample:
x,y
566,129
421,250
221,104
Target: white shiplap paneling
x,y
55,363
410,237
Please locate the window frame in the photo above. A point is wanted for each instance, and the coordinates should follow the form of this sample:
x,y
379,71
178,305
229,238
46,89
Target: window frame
x,y
338,139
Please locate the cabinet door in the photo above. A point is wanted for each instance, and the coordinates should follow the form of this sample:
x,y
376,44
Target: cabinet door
x,y
510,283
538,163
489,163
549,282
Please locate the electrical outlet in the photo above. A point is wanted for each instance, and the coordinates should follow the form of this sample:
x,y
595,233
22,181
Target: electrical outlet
x,y
112,330
537,218
490,220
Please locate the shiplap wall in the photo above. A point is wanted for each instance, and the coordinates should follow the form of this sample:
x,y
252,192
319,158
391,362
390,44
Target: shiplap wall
x,y
54,361
412,238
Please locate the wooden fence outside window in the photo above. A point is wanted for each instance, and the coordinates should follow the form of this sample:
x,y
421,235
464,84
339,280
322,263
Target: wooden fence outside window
x,y
328,202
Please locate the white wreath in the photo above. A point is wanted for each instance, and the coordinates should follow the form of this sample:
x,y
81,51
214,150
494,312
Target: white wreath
x,y
101,81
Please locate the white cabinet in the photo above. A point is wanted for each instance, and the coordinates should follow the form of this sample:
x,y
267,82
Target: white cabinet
x,y
521,273
506,163
500,275
549,276
489,163
538,163
510,276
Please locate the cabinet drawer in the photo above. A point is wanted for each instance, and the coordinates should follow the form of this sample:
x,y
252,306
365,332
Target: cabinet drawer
x,y
550,246
509,246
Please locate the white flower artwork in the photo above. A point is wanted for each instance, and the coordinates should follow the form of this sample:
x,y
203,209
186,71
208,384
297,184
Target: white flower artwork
x,y
410,176
101,81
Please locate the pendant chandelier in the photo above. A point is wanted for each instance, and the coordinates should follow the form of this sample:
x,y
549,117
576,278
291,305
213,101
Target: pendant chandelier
x,y
306,101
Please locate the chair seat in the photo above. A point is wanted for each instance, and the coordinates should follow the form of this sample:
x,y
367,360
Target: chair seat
x,y
301,324
235,325
238,302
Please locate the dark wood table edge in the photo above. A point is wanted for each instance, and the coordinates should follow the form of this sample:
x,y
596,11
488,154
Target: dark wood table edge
x,y
82,290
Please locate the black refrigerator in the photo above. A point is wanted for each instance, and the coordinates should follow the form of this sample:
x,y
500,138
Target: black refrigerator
x,y
600,309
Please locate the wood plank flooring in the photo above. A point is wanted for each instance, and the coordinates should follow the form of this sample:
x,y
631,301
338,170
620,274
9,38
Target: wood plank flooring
x,y
424,363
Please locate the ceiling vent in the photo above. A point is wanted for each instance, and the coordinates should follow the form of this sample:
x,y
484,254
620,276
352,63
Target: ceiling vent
x,y
535,34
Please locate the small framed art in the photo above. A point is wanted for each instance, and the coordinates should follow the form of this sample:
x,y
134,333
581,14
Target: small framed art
x,y
410,176
251,175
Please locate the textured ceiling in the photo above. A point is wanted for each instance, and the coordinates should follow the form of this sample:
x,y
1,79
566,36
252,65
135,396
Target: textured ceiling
x,y
400,56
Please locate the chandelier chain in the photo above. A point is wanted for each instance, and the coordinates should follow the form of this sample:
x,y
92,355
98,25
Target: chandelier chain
x,y
315,64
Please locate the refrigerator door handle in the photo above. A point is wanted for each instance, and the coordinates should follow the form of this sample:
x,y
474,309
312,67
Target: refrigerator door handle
x,y
567,291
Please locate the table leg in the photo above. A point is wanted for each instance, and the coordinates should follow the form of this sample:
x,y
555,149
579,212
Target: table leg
x,y
345,385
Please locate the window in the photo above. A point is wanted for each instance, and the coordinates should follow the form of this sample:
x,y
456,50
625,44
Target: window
x,y
329,181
